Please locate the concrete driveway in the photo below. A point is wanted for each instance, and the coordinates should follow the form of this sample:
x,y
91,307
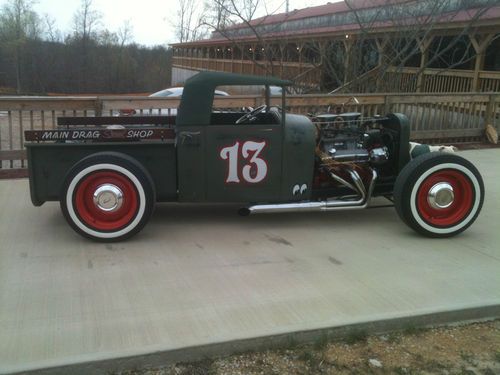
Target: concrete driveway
x,y
198,276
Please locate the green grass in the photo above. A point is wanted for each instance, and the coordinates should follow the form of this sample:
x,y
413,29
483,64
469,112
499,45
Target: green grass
x,y
321,342
292,343
488,371
203,367
496,356
400,371
394,337
356,336
307,356
412,329
467,357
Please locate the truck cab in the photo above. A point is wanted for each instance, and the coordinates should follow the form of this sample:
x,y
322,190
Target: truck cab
x,y
257,156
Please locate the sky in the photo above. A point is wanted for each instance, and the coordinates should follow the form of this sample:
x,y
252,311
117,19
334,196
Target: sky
x,y
152,20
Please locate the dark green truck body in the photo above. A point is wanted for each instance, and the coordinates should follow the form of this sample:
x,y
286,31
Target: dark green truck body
x,y
49,164
108,177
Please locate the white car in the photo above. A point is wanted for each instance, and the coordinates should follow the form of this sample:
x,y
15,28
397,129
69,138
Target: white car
x,y
177,91
166,93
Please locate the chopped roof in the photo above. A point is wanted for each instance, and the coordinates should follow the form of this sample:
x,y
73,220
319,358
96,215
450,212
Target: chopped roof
x,y
198,94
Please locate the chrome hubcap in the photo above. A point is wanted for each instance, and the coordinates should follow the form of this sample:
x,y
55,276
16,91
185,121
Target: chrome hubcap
x,y
441,196
108,197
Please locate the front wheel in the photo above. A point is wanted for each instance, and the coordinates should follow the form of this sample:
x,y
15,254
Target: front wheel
x,y
107,197
439,195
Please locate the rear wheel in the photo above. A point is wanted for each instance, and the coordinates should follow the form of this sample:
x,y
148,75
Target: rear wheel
x,y
107,197
439,195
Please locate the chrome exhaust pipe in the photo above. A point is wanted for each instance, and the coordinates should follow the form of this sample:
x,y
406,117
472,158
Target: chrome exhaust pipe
x,y
344,182
333,205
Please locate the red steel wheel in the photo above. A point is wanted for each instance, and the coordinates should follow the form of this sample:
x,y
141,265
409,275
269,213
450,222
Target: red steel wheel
x,y
106,201
438,194
445,198
108,196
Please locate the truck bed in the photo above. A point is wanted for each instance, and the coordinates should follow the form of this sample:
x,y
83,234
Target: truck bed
x,y
148,139
50,163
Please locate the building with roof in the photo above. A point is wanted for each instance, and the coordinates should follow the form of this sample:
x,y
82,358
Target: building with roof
x,y
362,46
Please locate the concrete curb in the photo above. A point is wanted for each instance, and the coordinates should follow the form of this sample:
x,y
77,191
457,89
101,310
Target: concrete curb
x,y
195,353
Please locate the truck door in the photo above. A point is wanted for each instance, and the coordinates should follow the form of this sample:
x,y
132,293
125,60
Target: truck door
x,y
191,163
243,163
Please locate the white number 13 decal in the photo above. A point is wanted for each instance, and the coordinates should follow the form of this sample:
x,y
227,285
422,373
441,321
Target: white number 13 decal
x,y
254,171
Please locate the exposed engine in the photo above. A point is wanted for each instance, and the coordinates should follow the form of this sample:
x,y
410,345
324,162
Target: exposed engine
x,y
348,138
349,149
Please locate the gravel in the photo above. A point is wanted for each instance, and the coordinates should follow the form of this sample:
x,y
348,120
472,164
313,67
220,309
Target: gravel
x,y
470,349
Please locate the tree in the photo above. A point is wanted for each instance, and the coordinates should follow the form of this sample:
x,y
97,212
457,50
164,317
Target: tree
x,y
189,25
35,58
125,33
364,58
245,9
216,14
196,19
18,23
86,21
238,15
52,33
86,25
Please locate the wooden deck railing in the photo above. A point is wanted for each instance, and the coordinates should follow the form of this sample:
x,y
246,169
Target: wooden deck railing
x,y
442,81
305,74
408,80
394,79
433,117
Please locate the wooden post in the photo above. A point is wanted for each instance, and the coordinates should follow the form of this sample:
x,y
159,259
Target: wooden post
x,y
224,58
348,43
490,111
382,60
282,48
478,66
387,104
480,44
423,45
299,49
253,58
242,53
323,46
322,51
98,105
381,45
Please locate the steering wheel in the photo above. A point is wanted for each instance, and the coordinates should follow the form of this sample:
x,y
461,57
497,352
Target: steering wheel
x,y
251,115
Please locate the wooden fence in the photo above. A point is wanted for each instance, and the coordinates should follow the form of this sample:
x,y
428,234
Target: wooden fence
x,y
412,80
442,81
394,79
433,117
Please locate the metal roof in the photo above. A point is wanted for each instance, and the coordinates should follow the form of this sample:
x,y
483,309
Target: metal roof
x,y
321,10
444,20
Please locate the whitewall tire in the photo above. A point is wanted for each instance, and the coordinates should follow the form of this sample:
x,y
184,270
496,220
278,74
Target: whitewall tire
x,y
107,197
439,195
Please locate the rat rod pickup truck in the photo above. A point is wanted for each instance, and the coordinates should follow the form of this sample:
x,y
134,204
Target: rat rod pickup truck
x,y
108,177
